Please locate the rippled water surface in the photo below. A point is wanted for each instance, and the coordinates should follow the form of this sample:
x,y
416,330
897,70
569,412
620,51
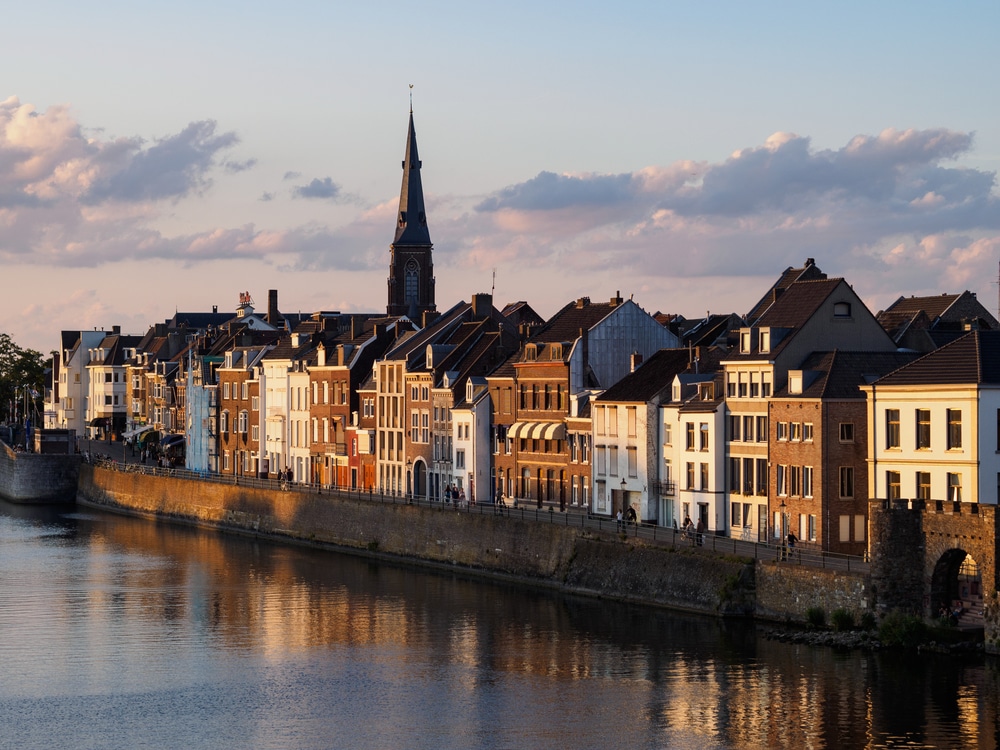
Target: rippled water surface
x,y
123,633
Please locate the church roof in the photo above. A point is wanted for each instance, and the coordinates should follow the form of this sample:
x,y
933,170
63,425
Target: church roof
x,y
411,223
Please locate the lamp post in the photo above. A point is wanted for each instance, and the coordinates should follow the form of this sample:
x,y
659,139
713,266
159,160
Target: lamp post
x,y
781,547
409,480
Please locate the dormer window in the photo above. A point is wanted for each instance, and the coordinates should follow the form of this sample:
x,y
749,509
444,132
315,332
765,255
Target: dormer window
x,y
706,391
765,339
746,342
555,352
842,309
530,352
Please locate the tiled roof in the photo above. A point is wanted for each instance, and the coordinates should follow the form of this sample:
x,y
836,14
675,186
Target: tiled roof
x,y
973,358
838,374
809,271
934,306
798,303
651,377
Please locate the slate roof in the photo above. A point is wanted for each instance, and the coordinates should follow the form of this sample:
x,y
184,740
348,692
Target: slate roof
x,y
411,227
839,374
972,359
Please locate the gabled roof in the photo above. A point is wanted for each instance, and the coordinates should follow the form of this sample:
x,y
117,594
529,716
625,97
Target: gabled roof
x,y
650,378
809,272
972,359
839,374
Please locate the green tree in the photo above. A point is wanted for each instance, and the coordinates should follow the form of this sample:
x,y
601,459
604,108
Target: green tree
x,y
19,368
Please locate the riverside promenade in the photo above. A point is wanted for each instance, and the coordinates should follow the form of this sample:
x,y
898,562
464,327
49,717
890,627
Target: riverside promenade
x,y
572,551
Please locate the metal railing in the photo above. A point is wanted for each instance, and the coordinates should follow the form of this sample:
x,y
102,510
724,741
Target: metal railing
x,y
573,516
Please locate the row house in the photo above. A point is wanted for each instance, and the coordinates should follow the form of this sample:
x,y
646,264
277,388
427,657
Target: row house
x,y
624,424
240,416
582,350
819,448
693,439
107,397
934,426
68,399
342,358
417,386
817,314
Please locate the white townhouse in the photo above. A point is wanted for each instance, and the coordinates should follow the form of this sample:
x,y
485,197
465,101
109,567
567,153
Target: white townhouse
x,y
471,442
934,426
627,437
694,443
71,389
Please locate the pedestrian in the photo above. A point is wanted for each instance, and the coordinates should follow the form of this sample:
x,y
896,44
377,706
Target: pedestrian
x,y
447,493
688,528
700,530
792,539
619,517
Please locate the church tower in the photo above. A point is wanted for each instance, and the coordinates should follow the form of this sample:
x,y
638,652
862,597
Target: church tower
x,y
411,269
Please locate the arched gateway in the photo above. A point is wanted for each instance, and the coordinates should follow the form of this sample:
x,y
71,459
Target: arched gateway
x,y
926,556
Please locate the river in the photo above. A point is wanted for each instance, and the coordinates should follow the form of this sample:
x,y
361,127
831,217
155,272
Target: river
x,y
118,632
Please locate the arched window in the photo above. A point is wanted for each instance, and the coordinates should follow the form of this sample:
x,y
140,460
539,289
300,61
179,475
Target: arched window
x,y
412,281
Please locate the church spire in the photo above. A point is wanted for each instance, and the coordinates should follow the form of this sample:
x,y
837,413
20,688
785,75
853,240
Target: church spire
x,y
411,223
411,268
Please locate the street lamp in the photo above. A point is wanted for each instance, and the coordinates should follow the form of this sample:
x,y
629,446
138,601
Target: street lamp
x,y
781,510
409,479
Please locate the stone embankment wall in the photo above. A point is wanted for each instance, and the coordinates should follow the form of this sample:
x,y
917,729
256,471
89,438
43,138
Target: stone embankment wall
x,y
37,478
568,558
786,589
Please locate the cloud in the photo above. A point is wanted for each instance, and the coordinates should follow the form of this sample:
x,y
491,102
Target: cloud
x,y
325,188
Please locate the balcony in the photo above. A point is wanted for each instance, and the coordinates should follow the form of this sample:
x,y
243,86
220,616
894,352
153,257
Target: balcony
x,y
665,489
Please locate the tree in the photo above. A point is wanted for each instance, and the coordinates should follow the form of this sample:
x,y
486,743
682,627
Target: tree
x,y
20,370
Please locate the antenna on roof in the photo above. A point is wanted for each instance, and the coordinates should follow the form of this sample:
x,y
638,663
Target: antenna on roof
x,y
494,286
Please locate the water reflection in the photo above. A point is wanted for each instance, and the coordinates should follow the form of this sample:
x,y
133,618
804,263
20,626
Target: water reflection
x,y
116,632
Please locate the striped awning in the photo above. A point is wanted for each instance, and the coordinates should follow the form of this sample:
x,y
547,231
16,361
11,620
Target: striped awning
x,y
537,431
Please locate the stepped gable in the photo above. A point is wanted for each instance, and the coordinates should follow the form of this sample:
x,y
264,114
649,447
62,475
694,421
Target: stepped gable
x,y
973,358
651,377
809,272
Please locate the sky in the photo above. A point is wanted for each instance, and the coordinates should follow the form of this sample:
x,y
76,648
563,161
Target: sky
x,y
163,157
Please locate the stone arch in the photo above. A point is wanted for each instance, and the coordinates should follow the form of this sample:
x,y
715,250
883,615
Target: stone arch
x,y
944,587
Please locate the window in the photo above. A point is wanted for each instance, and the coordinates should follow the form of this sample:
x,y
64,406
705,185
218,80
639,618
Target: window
x,y
847,434
761,429
955,487
923,485
734,428
954,429
224,422
703,436
748,429
847,481
842,309
244,422
633,460
689,476
892,429
795,432
245,388
225,390
255,432
668,438
689,436
923,429
734,475
631,420
807,481
747,476
811,530
782,431
765,389
761,477
613,460
795,481
704,476
613,420
807,432
892,488
460,458
255,403
765,339
745,341
782,480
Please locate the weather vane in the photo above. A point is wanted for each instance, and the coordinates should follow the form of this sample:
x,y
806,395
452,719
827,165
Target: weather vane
x,y
411,98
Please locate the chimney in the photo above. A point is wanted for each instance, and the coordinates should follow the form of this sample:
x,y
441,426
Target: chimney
x,y
272,306
116,330
810,262
215,309
428,317
617,299
775,293
482,306
635,361
582,302
321,356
